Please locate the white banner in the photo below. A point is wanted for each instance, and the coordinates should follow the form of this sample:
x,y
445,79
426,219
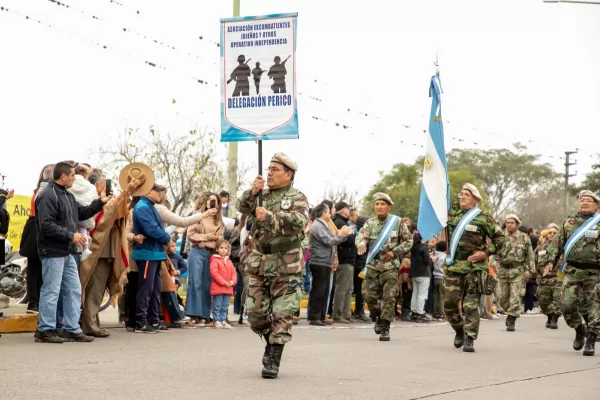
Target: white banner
x,y
258,78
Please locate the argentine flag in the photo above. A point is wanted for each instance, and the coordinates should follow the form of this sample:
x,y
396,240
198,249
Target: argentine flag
x,y
435,187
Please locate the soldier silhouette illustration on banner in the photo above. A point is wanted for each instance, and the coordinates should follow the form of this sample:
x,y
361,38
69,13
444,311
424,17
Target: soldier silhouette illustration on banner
x,y
240,75
278,72
257,73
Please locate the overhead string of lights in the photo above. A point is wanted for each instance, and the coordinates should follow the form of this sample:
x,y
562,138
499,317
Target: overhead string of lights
x,y
336,123
103,46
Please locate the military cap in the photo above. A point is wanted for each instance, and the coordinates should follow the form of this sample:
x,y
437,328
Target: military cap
x,y
552,226
384,197
513,216
474,191
589,193
284,159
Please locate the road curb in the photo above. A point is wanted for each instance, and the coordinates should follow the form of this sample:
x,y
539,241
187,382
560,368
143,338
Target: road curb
x,y
19,323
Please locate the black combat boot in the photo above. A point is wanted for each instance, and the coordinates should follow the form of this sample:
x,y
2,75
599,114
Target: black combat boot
x,y
271,370
375,317
590,343
241,319
385,332
579,335
554,321
459,338
468,347
267,355
549,320
510,323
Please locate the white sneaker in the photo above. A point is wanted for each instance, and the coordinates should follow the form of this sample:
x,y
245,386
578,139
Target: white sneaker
x,y
85,254
225,325
218,325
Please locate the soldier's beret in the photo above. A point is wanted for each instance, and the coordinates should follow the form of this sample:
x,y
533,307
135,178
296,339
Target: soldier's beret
x,y
474,191
591,194
383,197
552,226
284,159
513,216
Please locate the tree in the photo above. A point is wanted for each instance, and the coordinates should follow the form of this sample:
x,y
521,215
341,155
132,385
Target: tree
x,y
508,175
592,180
340,193
187,164
544,206
402,185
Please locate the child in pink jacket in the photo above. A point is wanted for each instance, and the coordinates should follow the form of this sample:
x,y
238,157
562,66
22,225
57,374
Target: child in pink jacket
x,y
224,279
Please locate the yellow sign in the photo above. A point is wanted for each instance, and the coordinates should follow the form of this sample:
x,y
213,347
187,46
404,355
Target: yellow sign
x,y
18,208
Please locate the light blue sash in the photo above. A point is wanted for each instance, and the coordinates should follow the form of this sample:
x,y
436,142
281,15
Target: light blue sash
x,y
576,236
458,232
383,237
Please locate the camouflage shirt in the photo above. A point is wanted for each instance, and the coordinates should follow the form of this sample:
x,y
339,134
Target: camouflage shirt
x,y
473,239
400,242
517,251
585,251
287,210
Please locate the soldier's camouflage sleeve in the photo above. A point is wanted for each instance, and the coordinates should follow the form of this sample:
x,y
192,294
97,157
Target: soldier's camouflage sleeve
x,y
246,204
530,261
363,234
289,222
405,241
555,248
498,239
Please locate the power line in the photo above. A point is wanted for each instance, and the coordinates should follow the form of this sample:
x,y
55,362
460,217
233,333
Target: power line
x,y
103,46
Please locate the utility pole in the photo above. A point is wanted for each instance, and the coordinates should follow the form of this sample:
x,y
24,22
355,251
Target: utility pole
x,y
567,176
232,169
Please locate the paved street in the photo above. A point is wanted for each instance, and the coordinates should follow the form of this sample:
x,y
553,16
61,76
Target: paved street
x,y
321,363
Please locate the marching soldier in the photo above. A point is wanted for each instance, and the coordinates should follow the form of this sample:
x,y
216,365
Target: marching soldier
x,y
257,74
275,266
549,289
467,276
516,267
577,242
387,238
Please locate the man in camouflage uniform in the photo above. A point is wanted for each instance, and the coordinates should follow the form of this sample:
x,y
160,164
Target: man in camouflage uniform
x,y
517,265
582,272
464,275
275,266
549,289
382,271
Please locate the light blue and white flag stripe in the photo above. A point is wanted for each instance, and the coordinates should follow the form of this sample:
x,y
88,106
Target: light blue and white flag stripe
x,y
435,187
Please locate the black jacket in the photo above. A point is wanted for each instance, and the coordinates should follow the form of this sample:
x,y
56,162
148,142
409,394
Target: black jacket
x,y
4,215
347,250
56,217
420,262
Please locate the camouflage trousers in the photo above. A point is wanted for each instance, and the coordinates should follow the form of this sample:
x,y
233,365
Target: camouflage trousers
x,y
272,303
462,290
512,290
581,297
386,283
549,295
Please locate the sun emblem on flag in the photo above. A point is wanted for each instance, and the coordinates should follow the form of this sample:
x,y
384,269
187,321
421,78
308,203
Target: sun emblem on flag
x,y
428,163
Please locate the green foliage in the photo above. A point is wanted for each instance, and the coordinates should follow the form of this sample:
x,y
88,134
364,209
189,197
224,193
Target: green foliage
x,y
402,185
502,176
591,181
507,175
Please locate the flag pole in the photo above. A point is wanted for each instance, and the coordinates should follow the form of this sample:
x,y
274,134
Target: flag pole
x,y
446,231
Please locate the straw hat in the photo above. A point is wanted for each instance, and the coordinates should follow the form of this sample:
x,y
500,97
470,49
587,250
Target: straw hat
x,y
139,171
